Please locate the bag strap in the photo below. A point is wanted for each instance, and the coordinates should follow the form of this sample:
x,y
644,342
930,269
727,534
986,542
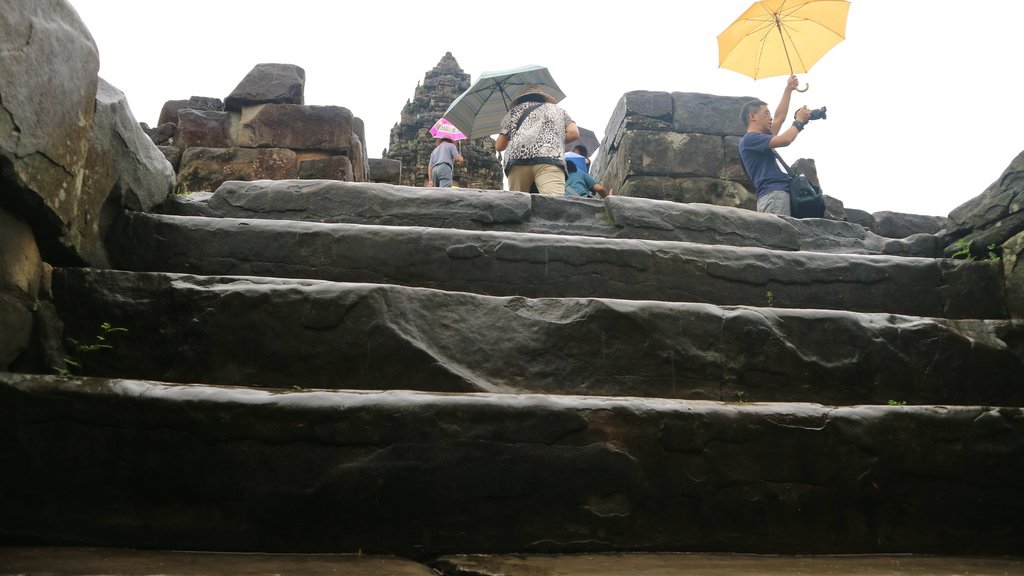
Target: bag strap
x,y
523,118
784,165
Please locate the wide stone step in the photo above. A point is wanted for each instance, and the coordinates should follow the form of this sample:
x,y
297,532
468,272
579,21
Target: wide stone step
x,y
545,265
66,561
284,333
495,210
192,467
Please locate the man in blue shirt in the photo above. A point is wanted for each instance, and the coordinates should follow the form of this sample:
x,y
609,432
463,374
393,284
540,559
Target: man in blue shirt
x,y
757,145
442,163
580,183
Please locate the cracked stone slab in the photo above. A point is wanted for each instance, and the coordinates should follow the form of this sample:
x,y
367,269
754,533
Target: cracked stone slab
x,y
547,265
282,333
615,216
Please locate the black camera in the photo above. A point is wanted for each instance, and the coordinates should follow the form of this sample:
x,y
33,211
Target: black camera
x,y
817,113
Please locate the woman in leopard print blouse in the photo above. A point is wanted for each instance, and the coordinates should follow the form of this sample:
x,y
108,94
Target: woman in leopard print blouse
x,y
533,136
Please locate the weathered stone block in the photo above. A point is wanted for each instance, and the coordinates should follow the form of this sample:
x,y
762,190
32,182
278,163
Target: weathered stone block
x,y
664,154
324,128
206,129
708,114
162,135
639,110
862,217
901,225
305,155
699,190
834,209
204,169
732,168
269,83
169,111
332,168
205,103
385,170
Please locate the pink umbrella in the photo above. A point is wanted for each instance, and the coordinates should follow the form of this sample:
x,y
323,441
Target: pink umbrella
x,y
445,129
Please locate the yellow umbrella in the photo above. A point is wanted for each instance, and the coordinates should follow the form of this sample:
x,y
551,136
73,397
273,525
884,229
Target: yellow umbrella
x,y
782,37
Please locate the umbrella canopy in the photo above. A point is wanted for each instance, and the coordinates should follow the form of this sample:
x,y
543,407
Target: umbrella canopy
x,y
478,111
782,37
445,129
587,138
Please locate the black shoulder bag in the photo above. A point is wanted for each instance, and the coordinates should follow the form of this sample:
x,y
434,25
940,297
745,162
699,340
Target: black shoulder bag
x,y
805,199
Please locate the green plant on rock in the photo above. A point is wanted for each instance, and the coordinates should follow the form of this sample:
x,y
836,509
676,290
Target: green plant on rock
x,y
770,297
963,250
897,402
74,361
994,252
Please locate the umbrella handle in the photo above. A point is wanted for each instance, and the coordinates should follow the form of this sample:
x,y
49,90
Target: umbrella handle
x,y
804,89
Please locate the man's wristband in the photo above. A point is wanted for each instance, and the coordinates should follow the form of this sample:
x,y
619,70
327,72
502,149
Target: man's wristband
x,y
799,124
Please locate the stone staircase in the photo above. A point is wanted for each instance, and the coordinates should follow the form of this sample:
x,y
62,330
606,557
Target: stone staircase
x,y
315,366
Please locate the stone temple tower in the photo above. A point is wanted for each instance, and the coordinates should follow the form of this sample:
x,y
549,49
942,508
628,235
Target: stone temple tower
x,y
412,143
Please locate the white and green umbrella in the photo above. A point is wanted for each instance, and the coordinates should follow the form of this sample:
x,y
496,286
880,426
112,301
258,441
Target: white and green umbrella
x,y
478,111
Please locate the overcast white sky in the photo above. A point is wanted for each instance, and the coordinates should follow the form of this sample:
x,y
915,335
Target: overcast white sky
x,y
922,95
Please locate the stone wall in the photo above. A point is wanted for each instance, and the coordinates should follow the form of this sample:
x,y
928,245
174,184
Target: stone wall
x,y
262,130
679,146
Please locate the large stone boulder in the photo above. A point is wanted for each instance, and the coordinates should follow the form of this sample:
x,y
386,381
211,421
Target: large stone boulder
x,y
124,170
71,150
48,80
993,217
